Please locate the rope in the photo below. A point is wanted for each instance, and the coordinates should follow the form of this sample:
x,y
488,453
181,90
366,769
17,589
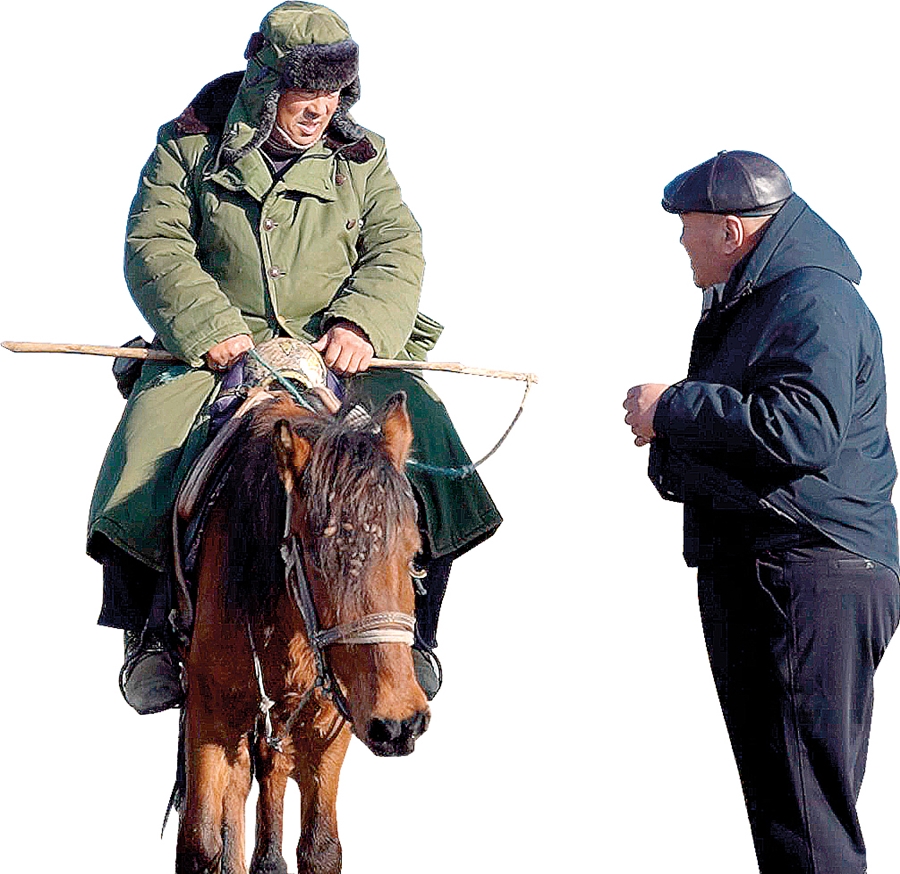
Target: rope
x,y
449,472
373,628
286,384
265,702
469,469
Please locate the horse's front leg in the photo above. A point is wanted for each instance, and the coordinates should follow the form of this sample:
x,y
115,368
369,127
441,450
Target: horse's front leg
x,y
234,851
199,848
272,771
317,768
211,830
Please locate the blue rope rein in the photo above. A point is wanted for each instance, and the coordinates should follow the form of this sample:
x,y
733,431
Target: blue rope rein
x,y
286,384
469,469
449,472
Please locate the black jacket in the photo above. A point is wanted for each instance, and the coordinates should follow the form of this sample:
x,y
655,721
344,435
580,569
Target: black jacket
x,y
778,434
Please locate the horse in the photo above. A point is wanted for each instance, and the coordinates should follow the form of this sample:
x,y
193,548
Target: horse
x,y
302,632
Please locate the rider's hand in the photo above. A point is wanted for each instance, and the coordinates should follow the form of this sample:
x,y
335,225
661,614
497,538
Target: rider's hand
x,y
224,354
345,348
641,402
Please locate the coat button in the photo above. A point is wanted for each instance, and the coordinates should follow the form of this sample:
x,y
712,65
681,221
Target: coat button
x,y
339,179
350,224
269,224
275,272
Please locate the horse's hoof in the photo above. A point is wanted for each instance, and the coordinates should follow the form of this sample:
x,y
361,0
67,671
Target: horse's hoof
x,y
271,865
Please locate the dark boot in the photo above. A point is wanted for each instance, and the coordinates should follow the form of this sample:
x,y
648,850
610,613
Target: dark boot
x,y
429,597
137,599
150,678
429,674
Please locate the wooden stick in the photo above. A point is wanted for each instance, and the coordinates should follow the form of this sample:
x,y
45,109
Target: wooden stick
x,y
163,356
85,349
450,367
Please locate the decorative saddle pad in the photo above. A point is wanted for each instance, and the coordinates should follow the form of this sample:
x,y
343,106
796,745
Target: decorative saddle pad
x,y
290,359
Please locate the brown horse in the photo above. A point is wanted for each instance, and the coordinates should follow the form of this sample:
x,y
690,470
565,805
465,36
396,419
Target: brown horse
x,y
302,632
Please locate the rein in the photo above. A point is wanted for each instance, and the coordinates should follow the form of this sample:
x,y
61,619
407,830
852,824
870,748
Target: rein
x,y
469,469
449,472
387,627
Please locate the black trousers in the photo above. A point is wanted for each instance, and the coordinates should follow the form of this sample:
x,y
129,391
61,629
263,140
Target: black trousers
x,y
134,595
794,638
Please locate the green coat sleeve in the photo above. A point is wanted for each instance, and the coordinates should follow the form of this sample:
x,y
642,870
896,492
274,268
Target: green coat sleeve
x,y
382,295
177,297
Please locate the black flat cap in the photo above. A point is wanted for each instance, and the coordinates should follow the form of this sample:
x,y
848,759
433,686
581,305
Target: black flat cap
x,y
732,183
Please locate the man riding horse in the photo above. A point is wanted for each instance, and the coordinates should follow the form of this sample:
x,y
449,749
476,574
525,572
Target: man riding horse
x,y
266,211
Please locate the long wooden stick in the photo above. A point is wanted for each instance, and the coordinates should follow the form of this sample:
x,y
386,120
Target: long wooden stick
x,y
86,349
163,356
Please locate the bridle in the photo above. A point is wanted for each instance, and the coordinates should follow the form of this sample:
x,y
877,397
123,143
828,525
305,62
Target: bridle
x,y
387,627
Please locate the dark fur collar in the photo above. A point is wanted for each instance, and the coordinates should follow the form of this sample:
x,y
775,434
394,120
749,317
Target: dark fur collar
x,y
358,152
209,110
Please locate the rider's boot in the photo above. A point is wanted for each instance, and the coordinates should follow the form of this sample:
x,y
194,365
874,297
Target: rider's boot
x,y
137,598
429,597
150,678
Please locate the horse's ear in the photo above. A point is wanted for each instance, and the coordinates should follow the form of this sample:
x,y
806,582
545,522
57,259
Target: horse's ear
x,y
291,452
397,430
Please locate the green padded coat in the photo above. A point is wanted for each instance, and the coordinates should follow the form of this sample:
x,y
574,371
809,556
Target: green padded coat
x,y
213,251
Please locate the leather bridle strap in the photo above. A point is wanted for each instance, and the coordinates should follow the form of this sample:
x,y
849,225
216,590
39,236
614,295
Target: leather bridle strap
x,y
387,627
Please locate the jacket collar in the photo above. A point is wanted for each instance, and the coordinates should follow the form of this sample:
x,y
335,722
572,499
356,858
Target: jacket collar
x,y
795,238
750,271
313,173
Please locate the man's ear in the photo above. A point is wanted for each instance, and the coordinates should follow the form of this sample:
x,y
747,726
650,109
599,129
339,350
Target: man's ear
x,y
734,234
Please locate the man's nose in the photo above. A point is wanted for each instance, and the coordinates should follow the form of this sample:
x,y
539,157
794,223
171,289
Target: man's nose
x,y
315,108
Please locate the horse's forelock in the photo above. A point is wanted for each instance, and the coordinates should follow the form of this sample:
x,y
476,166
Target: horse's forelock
x,y
356,506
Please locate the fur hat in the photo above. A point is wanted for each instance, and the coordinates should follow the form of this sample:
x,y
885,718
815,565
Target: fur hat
x,y
305,46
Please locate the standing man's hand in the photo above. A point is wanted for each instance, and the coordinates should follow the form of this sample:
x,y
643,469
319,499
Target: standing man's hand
x,y
226,353
641,402
345,348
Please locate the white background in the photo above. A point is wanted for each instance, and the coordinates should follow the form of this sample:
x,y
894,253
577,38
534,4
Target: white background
x,y
578,729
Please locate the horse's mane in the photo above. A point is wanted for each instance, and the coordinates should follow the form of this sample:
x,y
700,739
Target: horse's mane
x,y
356,503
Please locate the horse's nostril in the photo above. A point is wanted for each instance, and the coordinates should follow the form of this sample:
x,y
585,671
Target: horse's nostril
x,y
383,731
417,724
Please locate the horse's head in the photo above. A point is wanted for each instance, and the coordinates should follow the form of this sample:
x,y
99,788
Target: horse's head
x,y
354,516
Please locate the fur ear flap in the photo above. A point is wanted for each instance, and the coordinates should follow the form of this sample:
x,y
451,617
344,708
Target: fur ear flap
x,y
291,453
397,430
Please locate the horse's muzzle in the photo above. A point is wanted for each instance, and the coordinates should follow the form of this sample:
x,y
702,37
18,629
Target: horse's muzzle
x,y
391,737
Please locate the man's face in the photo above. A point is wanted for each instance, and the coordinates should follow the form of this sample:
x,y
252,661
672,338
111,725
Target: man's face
x,y
304,115
704,237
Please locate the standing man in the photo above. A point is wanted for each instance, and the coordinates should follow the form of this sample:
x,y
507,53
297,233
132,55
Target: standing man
x,y
776,443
